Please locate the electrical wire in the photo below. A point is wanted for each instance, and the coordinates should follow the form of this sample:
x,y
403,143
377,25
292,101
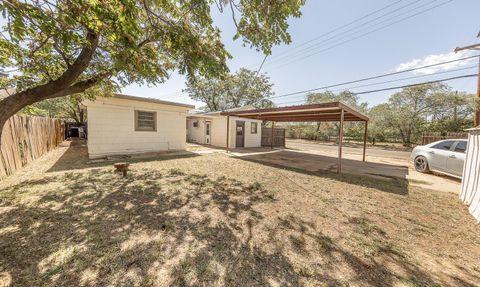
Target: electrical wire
x,y
362,35
400,87
375,77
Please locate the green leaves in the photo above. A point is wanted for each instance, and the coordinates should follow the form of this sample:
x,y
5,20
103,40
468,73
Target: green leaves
x,y
244,88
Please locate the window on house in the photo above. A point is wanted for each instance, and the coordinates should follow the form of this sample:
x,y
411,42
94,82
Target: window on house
x,y
253,128
195,124
145,121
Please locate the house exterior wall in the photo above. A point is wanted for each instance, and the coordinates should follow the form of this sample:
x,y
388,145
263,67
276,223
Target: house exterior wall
x,y
111,127
218,135
470,193
196,134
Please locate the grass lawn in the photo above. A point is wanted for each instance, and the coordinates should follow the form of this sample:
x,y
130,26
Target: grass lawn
x,y
214,220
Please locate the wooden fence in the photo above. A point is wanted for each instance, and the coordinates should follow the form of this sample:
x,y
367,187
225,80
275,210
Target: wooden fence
x,y
436,136
278,137
25,139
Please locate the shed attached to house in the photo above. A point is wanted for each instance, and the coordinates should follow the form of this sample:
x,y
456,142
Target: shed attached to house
x,y
124,124
211,129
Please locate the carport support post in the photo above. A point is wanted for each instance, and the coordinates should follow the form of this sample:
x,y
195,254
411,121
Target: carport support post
x,y
271,135
365,140
340,142
228,132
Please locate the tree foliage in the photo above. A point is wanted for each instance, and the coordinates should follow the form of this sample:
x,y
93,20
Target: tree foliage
x,y
243,88
58,48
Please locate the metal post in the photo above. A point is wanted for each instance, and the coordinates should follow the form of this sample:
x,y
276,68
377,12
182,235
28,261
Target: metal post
x,y
340,142
271,135
228,132
365,140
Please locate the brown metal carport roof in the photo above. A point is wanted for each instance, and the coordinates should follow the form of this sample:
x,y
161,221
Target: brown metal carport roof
x,y
324,112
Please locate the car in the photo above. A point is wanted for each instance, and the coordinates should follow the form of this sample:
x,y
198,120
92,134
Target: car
x,y
445,156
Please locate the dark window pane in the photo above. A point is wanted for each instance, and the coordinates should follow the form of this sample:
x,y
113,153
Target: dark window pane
x,y
461,146
446,145
145,121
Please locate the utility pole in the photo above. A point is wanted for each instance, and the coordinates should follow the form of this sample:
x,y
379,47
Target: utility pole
x,y
477,103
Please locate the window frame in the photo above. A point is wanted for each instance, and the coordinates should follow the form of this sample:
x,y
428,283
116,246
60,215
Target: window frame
x,y
138,129
454,148
251,128
195,124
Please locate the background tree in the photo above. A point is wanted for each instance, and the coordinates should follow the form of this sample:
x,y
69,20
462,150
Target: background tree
x,y
67,108
352,129
51,49
243,88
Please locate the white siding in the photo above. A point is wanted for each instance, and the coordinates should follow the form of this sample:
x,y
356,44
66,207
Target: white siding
x,y
218,133
111,127
196,134
470,193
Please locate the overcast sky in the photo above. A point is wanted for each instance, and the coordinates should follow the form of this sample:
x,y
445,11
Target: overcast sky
x,y
389,40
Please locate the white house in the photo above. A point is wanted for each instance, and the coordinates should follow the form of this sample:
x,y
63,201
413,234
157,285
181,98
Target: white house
x,y
211,129
124,124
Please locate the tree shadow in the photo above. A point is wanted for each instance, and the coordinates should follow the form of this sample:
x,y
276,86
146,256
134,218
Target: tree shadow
x,y
76,157
169,228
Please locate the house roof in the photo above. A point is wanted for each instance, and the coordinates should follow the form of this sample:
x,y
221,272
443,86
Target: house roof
x,y
304,113
152,100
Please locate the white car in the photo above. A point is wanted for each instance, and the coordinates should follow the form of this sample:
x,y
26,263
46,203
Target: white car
x,y
445,156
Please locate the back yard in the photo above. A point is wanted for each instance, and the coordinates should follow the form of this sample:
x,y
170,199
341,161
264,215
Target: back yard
x,y
216,220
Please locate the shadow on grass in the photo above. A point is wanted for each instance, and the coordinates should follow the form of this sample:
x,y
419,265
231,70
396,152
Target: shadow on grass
x,y
396,183
76,157
169,228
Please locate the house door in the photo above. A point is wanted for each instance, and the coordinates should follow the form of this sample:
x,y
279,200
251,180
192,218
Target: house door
x,y
240,134
207,132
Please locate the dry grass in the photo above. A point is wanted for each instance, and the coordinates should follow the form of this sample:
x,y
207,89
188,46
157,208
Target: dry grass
x,y
213,220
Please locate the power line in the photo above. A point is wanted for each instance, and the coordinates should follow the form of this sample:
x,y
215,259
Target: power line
x,y
364,34
339,28
351,29
400,87
406,78
374,77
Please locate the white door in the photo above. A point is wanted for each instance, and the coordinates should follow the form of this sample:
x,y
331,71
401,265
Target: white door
x,y
207,132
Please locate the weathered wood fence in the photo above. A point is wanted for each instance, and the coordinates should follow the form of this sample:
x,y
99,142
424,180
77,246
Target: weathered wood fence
x,y
25,139
278,137
436,136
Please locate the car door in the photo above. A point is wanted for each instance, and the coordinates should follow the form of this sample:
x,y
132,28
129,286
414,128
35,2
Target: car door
x,y
456,158
438,154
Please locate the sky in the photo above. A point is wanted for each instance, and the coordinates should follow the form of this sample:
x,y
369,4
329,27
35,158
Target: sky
x,y
403,34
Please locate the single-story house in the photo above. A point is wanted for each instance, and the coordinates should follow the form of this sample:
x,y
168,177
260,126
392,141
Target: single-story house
x,y
123,124
211,129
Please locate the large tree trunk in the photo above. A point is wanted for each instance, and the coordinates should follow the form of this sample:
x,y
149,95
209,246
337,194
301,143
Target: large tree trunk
x,y
63,86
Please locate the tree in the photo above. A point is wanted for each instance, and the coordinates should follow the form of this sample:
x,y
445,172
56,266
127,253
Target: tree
x,y
408,111
243,88
346,97
67,108
53,49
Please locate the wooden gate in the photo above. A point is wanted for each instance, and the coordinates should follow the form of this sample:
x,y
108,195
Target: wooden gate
x,y
278,137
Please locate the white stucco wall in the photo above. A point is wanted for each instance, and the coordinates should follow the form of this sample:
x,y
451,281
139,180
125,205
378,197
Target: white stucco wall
x,y
218,133
111,127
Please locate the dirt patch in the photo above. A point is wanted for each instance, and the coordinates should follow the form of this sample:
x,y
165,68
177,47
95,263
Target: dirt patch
x,y
216,220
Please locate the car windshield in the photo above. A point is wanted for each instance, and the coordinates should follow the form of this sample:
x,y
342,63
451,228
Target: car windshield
x,y
445,145
461,146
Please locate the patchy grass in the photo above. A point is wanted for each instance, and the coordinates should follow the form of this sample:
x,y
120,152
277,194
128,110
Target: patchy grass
x,y
214,220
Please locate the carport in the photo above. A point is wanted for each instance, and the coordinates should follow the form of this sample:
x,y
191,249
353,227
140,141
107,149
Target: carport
x,y
325,112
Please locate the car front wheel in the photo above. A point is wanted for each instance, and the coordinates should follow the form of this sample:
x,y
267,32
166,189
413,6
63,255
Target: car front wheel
x,y
421,164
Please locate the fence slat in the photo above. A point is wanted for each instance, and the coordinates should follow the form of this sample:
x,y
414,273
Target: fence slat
x,y
278,137
25,139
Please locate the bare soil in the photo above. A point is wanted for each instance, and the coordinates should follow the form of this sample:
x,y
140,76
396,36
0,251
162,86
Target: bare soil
x,y
216,220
